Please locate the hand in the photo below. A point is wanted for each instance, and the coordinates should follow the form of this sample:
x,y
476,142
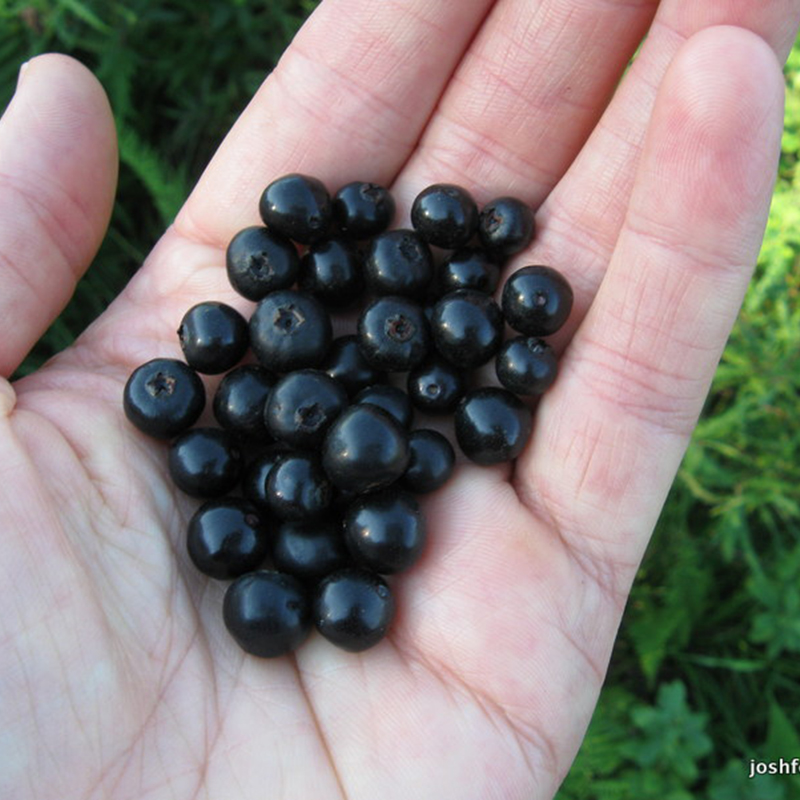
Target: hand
x,y
118,678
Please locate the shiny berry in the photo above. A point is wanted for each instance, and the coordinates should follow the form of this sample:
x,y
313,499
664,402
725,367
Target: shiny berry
x,y
445,215
297,487
467,327
365,449
256,475
302,406
297,207
526,365
331,271
205,462
385,531
398,262
290,330
267,613
163,397
213,337
536,300
353,609
309,549
240,400
435,385
346,363
506,226
431,463
260,261
362,210
467,268
492,425
391,399
393,334
227,538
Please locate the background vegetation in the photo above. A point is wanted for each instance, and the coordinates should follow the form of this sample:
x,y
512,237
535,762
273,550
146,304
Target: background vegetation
x,y
705,675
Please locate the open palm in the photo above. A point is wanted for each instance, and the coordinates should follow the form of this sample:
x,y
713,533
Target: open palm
x,y
118,679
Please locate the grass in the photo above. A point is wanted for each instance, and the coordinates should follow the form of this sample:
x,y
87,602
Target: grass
x,y
705,673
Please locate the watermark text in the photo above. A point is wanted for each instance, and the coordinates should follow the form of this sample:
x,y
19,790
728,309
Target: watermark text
x,y
782,766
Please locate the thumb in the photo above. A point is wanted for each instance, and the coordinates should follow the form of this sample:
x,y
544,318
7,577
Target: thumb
x,y
58,174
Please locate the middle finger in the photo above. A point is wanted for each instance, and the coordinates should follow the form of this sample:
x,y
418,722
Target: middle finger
x,y
526,96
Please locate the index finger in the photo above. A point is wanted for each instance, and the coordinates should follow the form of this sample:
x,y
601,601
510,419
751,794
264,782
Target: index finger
x,y
348,98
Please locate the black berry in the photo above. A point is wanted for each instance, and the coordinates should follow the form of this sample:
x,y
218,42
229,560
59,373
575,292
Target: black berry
x,y
431,463
260,261
240,400
298,207
362,210
302,406
227,538
435,385
467,268
213,337
536,300
331,271
290,330
256,475
506,226
445,215
346,363
385,531
163,397
393,334
492,425
205,462
297,487
398,262
392,400
467,327
353,608
309,549
526,365
267,613
365,449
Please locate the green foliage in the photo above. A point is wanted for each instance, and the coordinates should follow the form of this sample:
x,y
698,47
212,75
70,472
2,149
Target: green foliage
x,y
776,623
783,739
640,751
671,736
790,146
671,594
167,187
732,783
599,772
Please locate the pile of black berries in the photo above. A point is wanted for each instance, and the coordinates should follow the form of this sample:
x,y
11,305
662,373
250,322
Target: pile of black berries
x,y
308,481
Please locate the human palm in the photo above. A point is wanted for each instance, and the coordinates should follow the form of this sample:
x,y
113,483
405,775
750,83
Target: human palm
x,y
118,678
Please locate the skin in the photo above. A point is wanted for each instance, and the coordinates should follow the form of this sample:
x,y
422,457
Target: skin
x,y
118,678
